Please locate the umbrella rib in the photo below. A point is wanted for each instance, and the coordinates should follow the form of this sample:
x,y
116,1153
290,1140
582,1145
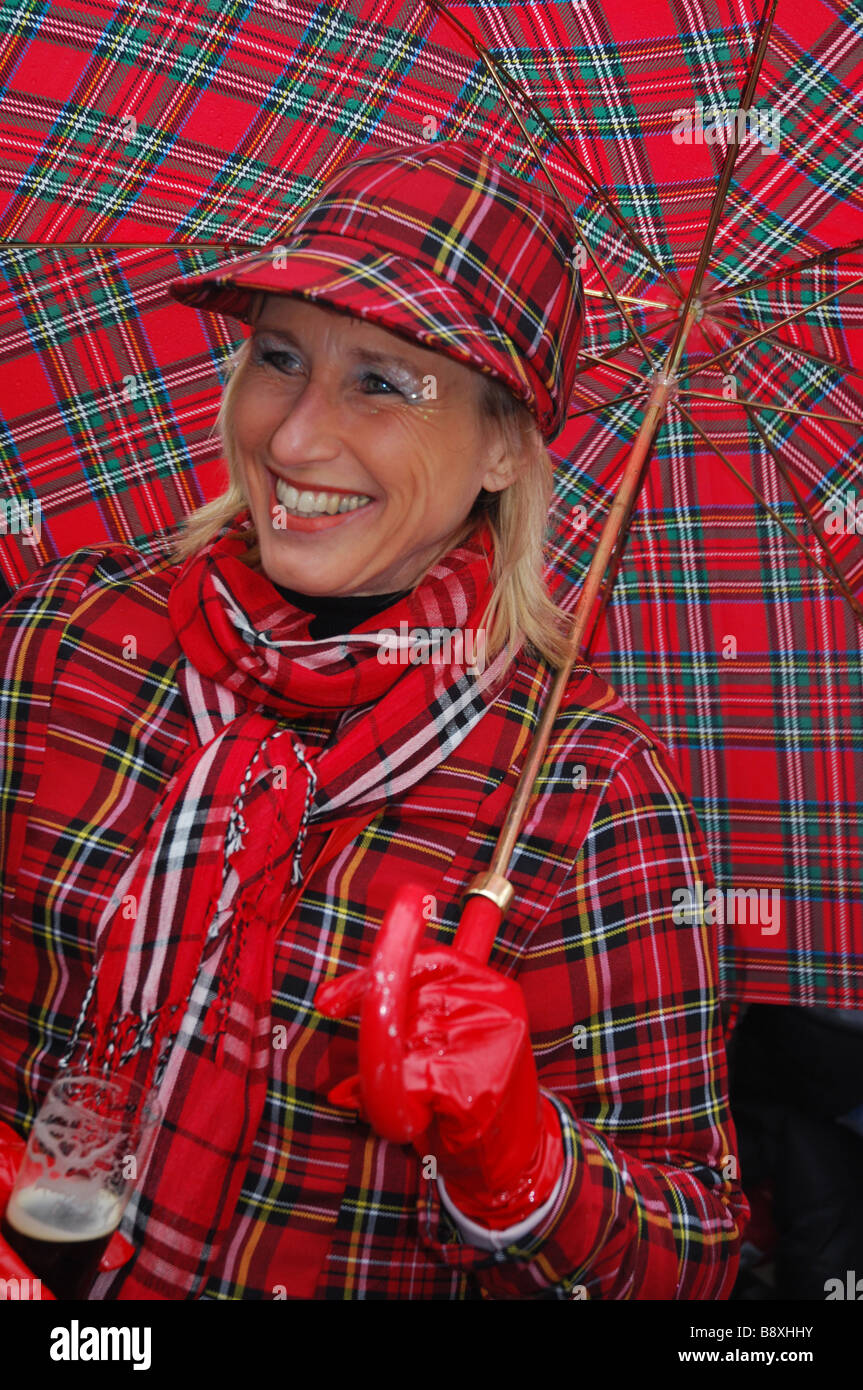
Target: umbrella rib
x,y
764,405
765,332
130,245
602,405
629,299
838,364
688,308
765,25
822,258
842,587
654,328
612,366
605,359
539,115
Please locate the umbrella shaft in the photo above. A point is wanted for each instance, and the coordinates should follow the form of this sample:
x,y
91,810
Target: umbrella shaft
x,y
587,598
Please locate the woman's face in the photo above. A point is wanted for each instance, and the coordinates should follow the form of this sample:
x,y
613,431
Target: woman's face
x,y
330,408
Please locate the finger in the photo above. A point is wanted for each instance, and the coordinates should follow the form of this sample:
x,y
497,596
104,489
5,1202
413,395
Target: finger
x,y
348,1095
119,1252
340,997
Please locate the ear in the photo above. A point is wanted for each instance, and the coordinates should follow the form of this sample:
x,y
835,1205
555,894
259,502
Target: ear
x,y
502,468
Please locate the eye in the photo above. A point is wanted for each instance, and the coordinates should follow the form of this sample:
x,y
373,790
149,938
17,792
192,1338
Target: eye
x,y
374,376
277,358
270,355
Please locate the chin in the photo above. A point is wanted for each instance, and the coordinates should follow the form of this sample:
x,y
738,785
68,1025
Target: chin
x,y
304,579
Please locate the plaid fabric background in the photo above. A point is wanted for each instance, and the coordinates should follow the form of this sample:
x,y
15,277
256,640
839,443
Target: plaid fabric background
x,y
108,392
207,125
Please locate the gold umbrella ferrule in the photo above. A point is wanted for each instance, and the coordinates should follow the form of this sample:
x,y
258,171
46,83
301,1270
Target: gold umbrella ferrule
x,y
494,886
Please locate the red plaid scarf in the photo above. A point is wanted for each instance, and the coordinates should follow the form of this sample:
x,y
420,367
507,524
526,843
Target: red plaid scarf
x,y
181,993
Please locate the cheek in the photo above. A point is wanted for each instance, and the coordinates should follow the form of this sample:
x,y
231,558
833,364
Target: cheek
x,y
426,465
248,417
259,406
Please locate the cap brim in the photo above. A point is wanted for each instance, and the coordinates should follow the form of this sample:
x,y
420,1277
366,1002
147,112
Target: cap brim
x,y
354,278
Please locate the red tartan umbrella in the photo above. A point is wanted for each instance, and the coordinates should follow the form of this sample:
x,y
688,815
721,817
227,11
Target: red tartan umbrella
x,y
710,149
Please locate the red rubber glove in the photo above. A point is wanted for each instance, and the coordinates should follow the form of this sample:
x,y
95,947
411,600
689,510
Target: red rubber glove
x,y
496,1138
12,1148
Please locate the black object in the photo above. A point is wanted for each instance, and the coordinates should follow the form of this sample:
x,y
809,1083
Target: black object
x,y
335,614
795,1077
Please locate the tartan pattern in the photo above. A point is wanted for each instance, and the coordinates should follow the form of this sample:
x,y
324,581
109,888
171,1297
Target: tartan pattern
x,y
326,1209
769,743
229,101
107,394
221,98
209,881
439,243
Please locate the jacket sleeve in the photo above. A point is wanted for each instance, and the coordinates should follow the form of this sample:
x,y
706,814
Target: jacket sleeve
x,y
32,626
621,986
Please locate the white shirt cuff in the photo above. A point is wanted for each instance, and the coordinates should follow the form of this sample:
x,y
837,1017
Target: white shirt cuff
x,y
497,1240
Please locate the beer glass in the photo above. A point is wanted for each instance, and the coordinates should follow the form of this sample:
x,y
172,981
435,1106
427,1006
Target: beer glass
x,y
88,1143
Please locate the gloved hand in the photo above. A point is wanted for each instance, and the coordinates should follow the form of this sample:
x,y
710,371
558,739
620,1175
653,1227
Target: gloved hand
x,y
12,1147
496,1137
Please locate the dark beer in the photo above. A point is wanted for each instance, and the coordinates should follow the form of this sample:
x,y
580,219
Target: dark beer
x,y
61,1234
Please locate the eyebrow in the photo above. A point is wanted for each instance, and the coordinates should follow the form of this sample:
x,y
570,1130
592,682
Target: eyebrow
x,y
370,355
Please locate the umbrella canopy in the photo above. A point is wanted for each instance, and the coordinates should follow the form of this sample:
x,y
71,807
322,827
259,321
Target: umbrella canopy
x,y
732,623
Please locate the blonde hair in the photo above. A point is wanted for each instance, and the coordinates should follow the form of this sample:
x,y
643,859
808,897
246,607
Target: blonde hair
x,y
521,610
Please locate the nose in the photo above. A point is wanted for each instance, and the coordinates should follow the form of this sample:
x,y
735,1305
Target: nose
x,y
311,429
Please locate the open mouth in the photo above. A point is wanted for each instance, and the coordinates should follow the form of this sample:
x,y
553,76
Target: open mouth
x,y
310,502
298,509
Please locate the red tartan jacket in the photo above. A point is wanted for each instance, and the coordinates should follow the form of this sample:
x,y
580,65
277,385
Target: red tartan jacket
x,y
622,998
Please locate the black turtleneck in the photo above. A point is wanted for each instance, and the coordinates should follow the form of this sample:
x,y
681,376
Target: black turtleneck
x,y
335,613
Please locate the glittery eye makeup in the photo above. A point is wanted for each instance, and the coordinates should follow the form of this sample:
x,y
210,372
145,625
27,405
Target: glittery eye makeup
x,y
402,380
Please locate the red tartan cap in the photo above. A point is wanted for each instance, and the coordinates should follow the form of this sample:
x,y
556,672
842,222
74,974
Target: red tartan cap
x,y
435,242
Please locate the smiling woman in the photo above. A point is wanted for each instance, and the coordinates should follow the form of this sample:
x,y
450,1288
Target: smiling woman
x,y
435,428
233,794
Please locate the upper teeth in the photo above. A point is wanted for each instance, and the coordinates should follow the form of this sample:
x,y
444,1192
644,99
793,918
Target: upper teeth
x,y
317,503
